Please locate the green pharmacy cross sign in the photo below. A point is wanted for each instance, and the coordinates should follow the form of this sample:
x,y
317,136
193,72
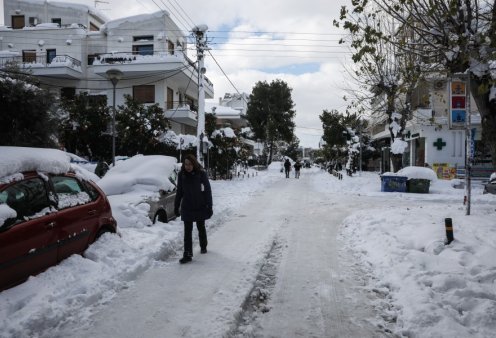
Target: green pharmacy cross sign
x,y
439,144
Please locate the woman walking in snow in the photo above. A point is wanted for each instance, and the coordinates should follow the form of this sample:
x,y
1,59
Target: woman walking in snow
x,y
297,167
194,196
287,167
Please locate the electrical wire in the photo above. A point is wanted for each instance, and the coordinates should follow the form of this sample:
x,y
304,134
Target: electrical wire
x,y
227,77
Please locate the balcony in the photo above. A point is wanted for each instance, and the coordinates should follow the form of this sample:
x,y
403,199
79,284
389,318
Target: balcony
x,y
61,66
182,114
172,65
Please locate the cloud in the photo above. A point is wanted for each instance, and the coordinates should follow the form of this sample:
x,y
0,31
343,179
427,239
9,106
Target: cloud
x,y
260,40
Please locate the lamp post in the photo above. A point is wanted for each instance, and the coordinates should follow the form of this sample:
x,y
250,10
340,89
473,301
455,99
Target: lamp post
x,y
114,75
258,154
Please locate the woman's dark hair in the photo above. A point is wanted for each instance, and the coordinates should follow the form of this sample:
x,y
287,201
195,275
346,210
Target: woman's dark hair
x,y
196,166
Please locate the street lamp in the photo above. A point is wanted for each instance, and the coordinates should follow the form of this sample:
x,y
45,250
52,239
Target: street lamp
x,y
258,154
114,75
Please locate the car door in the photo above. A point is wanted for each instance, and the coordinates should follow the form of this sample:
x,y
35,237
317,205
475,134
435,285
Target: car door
x,y
78,216
28,242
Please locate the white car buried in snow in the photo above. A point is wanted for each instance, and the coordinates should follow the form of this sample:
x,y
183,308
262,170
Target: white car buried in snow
x,y
144,179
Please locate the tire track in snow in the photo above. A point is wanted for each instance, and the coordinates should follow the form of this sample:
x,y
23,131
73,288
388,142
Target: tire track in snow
x,y
256,302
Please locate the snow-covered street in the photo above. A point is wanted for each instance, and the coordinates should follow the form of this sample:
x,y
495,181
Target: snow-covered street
x,y
272,270
314,257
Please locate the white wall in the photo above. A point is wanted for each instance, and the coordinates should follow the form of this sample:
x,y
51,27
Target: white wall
x,y
454,151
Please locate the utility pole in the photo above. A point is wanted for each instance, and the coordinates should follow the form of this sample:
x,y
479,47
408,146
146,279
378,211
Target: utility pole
x,y
468,148
201,45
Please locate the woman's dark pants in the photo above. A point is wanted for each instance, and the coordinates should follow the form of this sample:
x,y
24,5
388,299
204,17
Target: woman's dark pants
x,y
188,237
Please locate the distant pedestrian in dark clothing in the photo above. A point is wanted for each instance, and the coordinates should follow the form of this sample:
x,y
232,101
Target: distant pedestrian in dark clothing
x,y
101,168
287,167
194,196
297,167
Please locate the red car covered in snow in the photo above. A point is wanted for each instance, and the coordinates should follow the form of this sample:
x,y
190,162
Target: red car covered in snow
x,y
45,218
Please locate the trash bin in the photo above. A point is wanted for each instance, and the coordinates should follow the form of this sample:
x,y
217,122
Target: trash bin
x,y
418,185
393,183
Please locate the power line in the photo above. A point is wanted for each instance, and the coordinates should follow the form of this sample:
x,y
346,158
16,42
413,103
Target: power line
x,y
185,20
275,32
227,77
185,13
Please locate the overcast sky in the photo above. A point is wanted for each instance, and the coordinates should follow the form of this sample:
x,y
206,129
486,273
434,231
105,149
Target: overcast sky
x,y
257,40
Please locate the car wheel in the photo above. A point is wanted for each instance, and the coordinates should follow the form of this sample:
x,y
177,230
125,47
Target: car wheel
x,y
160,216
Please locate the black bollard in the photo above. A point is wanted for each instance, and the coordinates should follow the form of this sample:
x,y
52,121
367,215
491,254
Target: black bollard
x,y
449,230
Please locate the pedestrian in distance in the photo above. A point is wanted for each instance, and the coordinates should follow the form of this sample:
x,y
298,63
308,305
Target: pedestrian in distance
x,y
193,203
287,167
101,168
297,167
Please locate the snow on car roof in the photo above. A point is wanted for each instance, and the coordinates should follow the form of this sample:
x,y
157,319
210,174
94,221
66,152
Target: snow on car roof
x,y
14,160
138,172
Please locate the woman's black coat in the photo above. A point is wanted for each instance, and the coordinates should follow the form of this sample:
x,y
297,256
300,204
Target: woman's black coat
x,y
194,196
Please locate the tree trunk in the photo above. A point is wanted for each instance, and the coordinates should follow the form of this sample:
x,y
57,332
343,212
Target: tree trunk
x,y
271,147
489,135
487,111
396,162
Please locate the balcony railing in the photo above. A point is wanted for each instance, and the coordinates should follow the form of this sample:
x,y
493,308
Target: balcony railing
x,y
41,61
135,57
121,58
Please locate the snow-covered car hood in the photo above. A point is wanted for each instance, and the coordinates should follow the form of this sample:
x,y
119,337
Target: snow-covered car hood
x,y
139,173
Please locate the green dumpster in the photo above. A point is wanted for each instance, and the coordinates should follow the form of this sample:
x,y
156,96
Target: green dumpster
x,y
418,185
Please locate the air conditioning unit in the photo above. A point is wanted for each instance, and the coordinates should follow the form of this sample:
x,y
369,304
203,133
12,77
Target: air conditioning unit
x,y
440,85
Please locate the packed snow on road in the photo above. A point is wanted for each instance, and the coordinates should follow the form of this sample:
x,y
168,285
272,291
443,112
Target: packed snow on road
x,y
308,257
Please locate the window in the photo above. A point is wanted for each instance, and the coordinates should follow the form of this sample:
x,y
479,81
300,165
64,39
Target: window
x,y
143,38
69,192
29,56
18,21
27,198
191,102
91,58
170,47
143,49
170,98
93,27
57,21
33,21
94,194
144,94
51,54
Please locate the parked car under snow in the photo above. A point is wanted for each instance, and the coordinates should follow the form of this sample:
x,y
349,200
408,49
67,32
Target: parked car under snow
x,y
490,187
149,179
49,210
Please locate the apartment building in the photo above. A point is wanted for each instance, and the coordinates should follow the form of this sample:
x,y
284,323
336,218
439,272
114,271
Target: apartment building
x,y
71,48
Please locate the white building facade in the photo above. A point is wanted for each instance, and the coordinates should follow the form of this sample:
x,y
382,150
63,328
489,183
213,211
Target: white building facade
x,y
70,48
434,135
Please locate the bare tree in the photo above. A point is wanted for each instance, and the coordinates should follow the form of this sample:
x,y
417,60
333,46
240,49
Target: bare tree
x,y
450,36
